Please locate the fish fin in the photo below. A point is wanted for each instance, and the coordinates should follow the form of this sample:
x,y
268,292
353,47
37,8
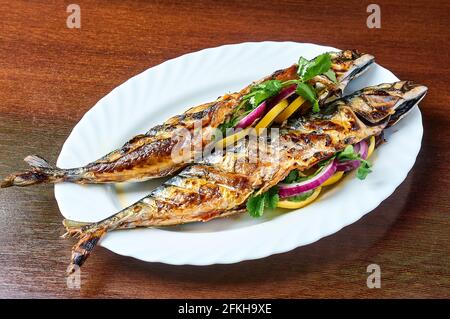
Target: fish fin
x,y
37,161
88,237
41,172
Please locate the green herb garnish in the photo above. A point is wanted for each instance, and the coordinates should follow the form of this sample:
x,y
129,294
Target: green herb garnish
x,y
363,170
349,154
306,91
261,92
292,177
227,125
256,204
331,75
301,197
307,69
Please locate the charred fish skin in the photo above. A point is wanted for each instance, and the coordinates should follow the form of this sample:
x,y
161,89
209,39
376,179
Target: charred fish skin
x,y
350,64
149,155
220,185
387,102
390,101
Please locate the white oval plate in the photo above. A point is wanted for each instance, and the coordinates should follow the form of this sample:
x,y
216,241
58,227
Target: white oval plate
x,y
170,88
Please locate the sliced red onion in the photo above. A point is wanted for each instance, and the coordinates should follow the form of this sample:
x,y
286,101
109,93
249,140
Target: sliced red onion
x,y
362,148
251,117
258,112
287,190
348,165
285,93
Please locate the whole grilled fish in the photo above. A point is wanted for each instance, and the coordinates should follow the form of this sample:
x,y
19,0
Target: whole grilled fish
x,y
221,184
149,155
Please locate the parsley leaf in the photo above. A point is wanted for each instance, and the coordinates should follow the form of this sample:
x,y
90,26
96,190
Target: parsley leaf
x,y
257,203
272,197
303,65
261,92
273,86
292,177
309,69
349,154
316,107
331,75
301,197
363,170
306,91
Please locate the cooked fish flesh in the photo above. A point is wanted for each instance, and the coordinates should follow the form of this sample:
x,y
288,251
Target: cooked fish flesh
x,y
220,184
149,155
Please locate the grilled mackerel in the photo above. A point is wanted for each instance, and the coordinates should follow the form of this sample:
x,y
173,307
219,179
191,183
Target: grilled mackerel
x,y
149,155
220,185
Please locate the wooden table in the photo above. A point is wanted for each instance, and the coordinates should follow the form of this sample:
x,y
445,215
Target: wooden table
x,y
51,75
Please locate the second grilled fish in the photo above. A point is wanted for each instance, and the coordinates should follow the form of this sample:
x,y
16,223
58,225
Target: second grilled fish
x,y
221,184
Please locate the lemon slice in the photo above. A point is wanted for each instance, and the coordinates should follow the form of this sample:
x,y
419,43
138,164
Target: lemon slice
x,y
294,205
272,114
333,179
371,146
287,112
229,140
265,122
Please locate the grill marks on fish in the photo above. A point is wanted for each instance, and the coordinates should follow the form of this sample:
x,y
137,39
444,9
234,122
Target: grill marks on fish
x,y
379,102
224,182
149,155
200,189
155,147
220,185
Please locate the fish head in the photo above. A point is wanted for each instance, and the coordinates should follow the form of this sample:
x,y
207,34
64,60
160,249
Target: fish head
x,y
385,102
346,65
349,64
367,111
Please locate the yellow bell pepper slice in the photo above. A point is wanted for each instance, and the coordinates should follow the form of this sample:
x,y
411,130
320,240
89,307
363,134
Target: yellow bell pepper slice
x,y
230,140
289,110
333,179
294,205
263,123
271,115
371,146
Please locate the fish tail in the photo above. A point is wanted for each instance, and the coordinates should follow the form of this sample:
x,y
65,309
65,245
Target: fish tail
x,y
41,172
88,236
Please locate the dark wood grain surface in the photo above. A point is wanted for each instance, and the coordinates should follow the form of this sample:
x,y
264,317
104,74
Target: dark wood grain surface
x,y
51,75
